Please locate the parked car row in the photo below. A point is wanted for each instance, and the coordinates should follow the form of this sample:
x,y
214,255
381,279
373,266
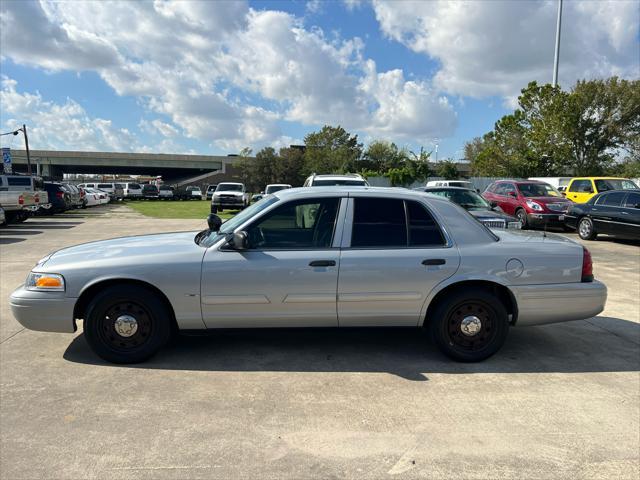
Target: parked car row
x,y
613,210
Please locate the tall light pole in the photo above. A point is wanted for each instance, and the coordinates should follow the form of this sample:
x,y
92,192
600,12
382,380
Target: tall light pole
x,y
26,143
556,58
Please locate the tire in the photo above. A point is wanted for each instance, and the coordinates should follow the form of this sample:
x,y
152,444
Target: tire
x,y
118,344
586,229
522,216
448,331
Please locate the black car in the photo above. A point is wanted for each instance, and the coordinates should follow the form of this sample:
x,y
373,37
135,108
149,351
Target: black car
x,y
149,191
59,198
615,212
490,215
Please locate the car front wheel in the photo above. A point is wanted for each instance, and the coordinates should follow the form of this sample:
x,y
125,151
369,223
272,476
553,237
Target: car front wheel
x,y
522,216
469,325
586,230
127,324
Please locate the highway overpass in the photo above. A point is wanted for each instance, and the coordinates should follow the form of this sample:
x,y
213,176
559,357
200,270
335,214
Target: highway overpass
x,y
53,164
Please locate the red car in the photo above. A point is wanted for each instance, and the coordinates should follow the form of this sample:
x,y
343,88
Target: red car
x,y
534,203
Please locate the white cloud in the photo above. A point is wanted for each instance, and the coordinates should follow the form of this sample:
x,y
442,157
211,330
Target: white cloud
x,y
60,126
222,72
497,47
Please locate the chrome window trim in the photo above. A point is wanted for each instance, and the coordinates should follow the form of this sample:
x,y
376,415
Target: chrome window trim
x,y
348,229
220,245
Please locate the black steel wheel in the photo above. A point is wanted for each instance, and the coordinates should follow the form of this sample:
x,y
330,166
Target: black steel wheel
x,y
469,325
127,324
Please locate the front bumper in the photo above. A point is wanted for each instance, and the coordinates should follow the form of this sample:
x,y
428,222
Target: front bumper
x,y
43,311
228,202
542,219
562,302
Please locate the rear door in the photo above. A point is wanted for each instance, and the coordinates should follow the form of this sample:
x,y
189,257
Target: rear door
x,y
606,213
630,214
394,253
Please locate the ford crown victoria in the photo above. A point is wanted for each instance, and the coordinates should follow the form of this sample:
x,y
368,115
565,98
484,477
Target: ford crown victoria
x,y
315,257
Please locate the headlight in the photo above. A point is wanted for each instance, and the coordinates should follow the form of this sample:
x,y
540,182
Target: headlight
x,y
534,206
51,282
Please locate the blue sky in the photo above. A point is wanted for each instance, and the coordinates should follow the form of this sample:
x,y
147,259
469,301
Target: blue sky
x,y
213,77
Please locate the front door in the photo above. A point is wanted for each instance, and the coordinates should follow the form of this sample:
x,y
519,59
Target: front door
x,y
396,255
287,277
605,213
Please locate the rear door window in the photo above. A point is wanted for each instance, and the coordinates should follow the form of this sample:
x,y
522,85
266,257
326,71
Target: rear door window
x,y
611,199
379,223
632,201
423,229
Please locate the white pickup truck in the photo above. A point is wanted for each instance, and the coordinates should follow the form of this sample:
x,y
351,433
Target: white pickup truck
x,y
35,196
229,195
18,206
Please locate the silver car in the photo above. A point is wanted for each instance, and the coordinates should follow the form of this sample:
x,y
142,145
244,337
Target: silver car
x,y
315,257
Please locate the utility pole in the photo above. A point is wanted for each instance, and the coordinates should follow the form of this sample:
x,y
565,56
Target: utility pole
x,y
556,58
26,144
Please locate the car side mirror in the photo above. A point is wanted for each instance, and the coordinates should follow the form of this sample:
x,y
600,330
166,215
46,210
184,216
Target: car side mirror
x,y
238,240
493,204
512,194
214,222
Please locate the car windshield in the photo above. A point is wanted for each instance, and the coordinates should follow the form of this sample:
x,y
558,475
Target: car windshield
x,y
133,186
467,199
207,238
538,190
229,187
275,188
338,181
614,184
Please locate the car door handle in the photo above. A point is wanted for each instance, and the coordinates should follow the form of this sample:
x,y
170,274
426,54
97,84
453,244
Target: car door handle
x,y
434,261
323,263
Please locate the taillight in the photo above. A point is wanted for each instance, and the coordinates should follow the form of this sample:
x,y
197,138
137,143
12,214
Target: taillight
x,y
587,266
60,194
20,200
37,199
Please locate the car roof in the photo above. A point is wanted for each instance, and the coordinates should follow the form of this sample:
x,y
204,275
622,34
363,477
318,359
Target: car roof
x,y
424,189
600,178
354,190
354,176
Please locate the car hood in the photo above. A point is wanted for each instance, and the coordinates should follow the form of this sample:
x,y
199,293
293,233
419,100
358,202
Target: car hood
x,y
549,199
129,250
484,214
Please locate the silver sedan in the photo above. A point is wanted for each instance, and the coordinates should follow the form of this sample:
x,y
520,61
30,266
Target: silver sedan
x,y
315,257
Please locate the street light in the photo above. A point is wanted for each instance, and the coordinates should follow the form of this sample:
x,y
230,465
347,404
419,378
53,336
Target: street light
x,y
556,58
26,143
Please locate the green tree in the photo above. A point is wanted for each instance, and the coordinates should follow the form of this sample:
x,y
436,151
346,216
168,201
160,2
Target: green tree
x,y
289,167
448,169
331,150
553,132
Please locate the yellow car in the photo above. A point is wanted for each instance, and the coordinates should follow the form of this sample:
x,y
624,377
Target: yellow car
x,y
581,189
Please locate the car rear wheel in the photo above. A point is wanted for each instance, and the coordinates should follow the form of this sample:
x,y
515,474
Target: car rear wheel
x,y
469,325
522,216
586,230
127,324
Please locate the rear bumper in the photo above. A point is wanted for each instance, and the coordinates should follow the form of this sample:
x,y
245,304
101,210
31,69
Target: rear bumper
x,y
562,302
43,311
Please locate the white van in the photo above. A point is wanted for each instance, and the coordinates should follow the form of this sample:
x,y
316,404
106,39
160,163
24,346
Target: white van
x,y
450,183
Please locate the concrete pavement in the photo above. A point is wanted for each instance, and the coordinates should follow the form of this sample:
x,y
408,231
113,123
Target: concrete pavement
x,y
559,401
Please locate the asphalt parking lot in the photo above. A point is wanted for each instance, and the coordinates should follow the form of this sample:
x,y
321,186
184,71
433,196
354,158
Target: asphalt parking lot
x,y
558,401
